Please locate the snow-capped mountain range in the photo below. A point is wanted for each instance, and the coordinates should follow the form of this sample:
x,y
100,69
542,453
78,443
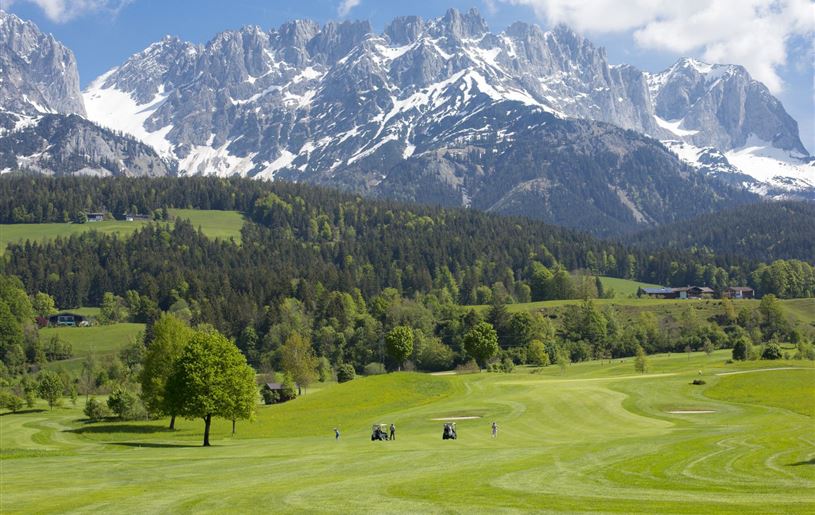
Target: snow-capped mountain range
x,y
342,105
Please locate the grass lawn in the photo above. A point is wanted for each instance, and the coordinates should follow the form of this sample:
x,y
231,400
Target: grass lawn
x,y
215,224
103,340
598,437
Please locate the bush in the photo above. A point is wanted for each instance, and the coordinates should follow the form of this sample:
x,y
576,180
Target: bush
x,y
11,401
374,369
95,410
435,356
698,382
345,373
125,404
805,351
742,349
536,354
470,367
771,351
324,371
56,349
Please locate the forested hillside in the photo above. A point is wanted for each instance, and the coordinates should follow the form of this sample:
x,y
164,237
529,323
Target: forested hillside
x,y
340,270
763,232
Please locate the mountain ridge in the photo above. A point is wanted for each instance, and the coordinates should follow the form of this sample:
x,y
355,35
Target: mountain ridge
x,y
436,111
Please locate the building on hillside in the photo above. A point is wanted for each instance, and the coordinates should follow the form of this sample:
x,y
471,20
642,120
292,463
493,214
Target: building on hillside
x,y
274,393
686,292
96,217
135,217
695,292
67,320
657,293
739,292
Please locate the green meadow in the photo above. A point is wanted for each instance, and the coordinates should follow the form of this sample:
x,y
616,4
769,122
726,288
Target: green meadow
x,y
595,438
100,341
624,287
215,224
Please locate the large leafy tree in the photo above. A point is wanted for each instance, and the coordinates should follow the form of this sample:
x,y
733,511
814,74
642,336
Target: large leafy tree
x,y
170,335
481,342
399,343
208,376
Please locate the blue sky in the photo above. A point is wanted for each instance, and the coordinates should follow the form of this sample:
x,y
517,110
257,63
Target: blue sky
x,y
772,38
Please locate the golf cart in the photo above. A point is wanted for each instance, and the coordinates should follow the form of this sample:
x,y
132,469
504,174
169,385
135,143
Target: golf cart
x,y
379,432
449,431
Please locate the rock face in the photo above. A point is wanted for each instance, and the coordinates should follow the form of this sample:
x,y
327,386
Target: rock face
x,y
71,145
445,111
721,106
37,73
42,128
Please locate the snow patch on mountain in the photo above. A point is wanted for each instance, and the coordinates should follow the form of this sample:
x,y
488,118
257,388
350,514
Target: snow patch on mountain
x,y
780,168
119,111
674,126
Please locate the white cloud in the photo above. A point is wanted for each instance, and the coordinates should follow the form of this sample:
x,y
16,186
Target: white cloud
x,y
346,6
753,33
61,11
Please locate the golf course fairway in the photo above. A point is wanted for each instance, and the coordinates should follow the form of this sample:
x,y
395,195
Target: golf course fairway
x,y
594,438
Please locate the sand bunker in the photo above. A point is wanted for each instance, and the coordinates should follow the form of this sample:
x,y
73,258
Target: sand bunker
x,y
691,411
455,418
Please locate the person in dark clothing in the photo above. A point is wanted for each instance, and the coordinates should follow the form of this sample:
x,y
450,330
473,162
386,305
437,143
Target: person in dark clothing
x,y
393,432
336,434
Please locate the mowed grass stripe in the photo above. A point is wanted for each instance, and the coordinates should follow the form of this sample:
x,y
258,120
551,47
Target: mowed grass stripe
x,y
603,441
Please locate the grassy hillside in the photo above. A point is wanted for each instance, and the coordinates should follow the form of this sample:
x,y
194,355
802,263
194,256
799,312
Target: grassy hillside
x,y
624,288
99,340
215,224
597,437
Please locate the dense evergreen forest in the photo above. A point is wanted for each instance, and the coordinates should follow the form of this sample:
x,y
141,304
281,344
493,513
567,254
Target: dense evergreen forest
x,y
762,232
343,271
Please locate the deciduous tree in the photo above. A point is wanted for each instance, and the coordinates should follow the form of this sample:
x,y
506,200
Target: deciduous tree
x,y
170,335
49,388
399,343
481,343
298,359
641,361
207,376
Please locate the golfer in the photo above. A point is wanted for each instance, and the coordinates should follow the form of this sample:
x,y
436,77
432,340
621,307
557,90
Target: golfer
x,y
336,434
393,432
494,429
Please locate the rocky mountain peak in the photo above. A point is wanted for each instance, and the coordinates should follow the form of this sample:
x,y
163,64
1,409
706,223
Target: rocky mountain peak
x,y
38,74
458,25
721,106
335,40
405,29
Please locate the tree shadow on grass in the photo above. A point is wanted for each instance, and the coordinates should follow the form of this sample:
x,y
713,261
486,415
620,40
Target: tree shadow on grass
x,y
798,464
153,445
120,428
22,412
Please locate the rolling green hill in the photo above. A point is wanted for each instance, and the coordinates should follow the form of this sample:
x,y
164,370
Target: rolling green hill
x,y
597,437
